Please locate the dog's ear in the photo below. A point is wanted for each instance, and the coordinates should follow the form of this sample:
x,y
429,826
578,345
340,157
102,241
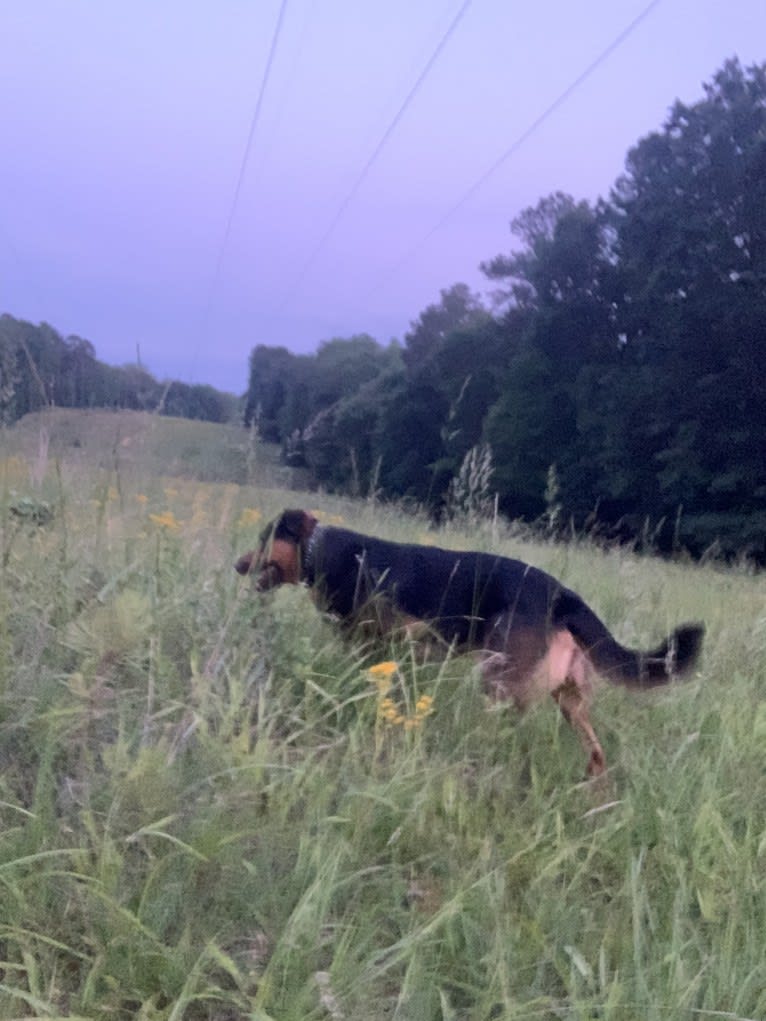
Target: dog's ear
x,y
297,524
291,524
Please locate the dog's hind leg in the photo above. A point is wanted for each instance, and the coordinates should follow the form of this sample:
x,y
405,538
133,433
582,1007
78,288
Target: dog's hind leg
x,y
522,663
569,679
576,712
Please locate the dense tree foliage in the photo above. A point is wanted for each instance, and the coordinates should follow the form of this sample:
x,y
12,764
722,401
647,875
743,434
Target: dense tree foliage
x,y
619,370
39,368
690,222
288,395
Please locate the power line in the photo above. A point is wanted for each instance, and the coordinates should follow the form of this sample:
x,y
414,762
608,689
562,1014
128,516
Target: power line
x,y
248,146
279,99
522,138
302,273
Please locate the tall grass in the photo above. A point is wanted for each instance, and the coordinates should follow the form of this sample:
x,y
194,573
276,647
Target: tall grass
x,y
206,810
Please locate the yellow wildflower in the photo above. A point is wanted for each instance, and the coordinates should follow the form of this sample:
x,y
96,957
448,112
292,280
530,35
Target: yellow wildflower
x,y
424,706
142,498
387,709
381,675
386,669
327,519
249,516
165,520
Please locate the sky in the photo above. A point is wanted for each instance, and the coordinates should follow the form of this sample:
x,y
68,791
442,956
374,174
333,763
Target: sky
x,y
181,180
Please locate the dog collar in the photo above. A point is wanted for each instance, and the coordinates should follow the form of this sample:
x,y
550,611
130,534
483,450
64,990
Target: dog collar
x,y
309,551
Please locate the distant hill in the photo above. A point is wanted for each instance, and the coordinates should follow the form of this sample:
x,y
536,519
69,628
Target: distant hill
x,y
39,368
148,444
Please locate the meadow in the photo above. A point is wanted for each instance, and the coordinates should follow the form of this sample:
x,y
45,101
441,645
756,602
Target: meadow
x,y
212,806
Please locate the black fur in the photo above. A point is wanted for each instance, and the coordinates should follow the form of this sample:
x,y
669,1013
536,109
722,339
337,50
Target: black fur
x,y
467,596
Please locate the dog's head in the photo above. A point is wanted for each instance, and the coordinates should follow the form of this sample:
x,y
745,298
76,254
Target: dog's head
x,y
277,561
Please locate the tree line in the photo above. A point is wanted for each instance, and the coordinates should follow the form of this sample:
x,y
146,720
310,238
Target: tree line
x,y
616,382
39,368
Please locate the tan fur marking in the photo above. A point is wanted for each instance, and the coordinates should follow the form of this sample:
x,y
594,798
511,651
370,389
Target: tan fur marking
x,y
575,708
285,556
570,679
520,672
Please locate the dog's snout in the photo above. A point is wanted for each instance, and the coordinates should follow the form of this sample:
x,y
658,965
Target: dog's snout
x,y
245,563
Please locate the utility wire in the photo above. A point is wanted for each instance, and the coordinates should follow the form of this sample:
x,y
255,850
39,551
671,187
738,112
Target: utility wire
x,y
522,138
302,273
279,101
246,153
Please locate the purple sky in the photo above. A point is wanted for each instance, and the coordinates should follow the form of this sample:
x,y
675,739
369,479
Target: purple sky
x,y
124,128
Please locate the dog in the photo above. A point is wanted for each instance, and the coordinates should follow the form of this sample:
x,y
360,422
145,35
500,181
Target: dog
x,y
534,634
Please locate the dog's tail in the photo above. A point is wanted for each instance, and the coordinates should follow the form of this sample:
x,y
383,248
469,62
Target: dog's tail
x,y
675,657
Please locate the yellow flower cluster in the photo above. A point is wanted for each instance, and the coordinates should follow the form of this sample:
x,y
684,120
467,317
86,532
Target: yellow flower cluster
x,y
328,519
424,706
381,675
388,710
249,516
166,520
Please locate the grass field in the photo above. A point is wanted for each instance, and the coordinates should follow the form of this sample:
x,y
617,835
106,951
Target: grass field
x,y
208,809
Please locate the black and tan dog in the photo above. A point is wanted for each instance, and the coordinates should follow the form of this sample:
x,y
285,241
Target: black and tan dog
x,y
535,635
